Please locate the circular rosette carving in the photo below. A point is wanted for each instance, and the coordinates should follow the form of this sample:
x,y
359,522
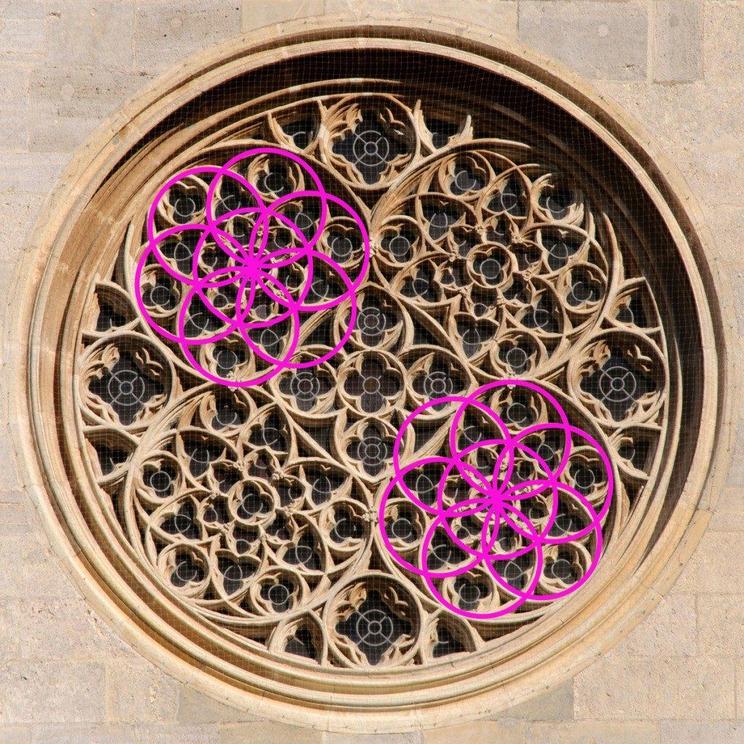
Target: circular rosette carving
x,y
369,143
383,323
309,392
186,568
159,478
365,446
373,620
503,507
125,381
619,377
434,373
240,260
371,382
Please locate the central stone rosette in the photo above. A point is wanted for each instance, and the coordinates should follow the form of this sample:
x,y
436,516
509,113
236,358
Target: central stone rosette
x,y
235,279
508,510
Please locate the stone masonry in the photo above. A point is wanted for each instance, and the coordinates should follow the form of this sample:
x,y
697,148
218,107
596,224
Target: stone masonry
x,y
676,66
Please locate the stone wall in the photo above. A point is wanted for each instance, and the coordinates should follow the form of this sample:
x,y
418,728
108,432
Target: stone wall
x,y
677,66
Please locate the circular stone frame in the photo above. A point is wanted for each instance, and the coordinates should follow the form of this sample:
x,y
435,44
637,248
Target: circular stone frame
x,y
531,661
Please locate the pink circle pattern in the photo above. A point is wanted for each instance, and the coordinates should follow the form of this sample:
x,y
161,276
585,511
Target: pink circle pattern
x,y
252,269
499,499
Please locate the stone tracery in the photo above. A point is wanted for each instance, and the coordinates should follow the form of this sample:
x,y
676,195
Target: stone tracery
x,y
257,507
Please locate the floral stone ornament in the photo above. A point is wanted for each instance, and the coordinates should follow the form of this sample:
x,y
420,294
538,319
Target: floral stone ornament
x,y
234,282
499,523
510,514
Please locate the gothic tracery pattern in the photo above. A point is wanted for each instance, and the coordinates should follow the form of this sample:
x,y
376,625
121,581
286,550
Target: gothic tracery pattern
x,y
259,508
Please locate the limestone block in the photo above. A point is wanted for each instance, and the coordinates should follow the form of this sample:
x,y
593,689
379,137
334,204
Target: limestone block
x,y
713,568
618,687
677,43
124,734
22,35
670,630
15,734
498,16
721,624
167,32
414,737
478,732
89,32
268,732
14,81
139,692
554,705
697,732
34,172
60,134
71,102
31,571
257,14
51,691
595,732
52,628
195,707
698,126
596,39
9,475
18,211
13,518
729,513
723,30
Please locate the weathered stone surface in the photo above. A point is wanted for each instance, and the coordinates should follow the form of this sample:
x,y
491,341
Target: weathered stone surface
x,y
15,734
712,569
138,692
596,39
670,630
22,35
721,624
34,172
723,52
697,732
52,691
18,211
257,14
729,513
124,734
13,518
34,571
677,41
554,705
195,707
498,16
477,732
167,32
595,732
268,732
63,68
87,32
620,687
64,629
410,738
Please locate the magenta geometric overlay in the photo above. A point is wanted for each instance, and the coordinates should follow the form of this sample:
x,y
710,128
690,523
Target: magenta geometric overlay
x,y
499,500
251,268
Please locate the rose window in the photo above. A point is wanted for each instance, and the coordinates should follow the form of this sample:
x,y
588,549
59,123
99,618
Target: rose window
x,y
366,381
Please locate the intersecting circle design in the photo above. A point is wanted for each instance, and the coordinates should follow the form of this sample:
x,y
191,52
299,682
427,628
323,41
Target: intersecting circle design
x,y
200,465
232,290
499,496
